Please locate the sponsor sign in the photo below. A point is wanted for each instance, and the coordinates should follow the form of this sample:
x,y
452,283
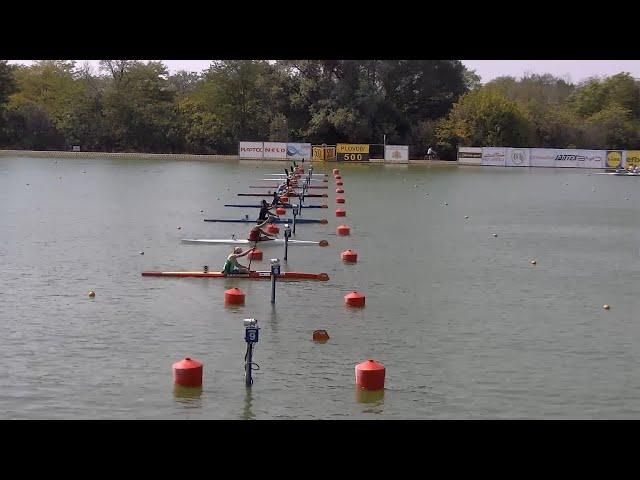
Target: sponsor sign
x,y
275,150
633,158
76,148
297,151
614,158
396,153
470,155
251,150
494,156
517,157
580,158
318,153
352,152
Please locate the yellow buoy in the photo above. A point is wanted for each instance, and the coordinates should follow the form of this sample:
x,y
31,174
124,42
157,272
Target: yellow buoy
x,y
92,294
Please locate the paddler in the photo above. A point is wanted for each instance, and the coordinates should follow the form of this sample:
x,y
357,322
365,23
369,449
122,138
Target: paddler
x,y
265,210
232,266
257,234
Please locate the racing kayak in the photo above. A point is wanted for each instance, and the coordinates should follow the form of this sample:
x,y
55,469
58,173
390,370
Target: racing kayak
x,y
253,275
314,195
286,205
235,241
275,220
297,174
619,174
276,186
274,179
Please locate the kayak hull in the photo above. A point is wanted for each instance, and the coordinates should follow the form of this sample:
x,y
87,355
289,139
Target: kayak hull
x,y
286,205
277,220
235,241
310,195
253,275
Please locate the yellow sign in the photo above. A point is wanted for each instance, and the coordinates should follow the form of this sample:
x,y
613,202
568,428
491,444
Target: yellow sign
x,y
633,158
352,148
614,158
318,153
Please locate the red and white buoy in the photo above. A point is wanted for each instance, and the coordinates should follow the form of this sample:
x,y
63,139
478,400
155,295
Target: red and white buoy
x,y
370,375
281,211
349,256
341,213
188,373
339,199
337,177
339,183
271,228
336,171
234,296
339,190
343,230
354,299
256,254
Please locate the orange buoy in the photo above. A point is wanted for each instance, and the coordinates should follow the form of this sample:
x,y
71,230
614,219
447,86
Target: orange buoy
x,y
92,294
339,190
188,373
339,199
354,299
339,183
320,336
281,211
349,256
234,296
370,375
341,213
271,228
343,230
336,171
256,254
337,177
284,199
325,180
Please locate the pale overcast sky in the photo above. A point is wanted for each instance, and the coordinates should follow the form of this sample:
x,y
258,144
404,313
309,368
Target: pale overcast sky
x,y
573,70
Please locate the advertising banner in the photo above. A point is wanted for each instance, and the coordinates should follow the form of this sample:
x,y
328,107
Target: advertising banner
x,y
517,157
470,155
298,151
542,157
580,158
352,152
614,159
494,156
251,150
396,153
275,150
633,158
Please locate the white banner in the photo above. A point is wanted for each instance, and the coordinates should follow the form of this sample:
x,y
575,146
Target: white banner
x,y
470,155
517,157
495,156
396,153
251,149
275,150
567,158
296,151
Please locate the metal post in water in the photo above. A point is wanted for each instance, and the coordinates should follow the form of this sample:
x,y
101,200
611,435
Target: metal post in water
x,y
275,271
287,234
295,214
251,334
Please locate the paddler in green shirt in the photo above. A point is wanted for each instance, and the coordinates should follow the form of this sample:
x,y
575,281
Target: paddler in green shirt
x,y
232,266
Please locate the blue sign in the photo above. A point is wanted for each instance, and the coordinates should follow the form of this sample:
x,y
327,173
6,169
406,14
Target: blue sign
x,y
275,270
251,335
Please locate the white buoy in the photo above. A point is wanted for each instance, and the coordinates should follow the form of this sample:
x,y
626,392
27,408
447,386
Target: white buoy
x,y
466,216
141,253
495,234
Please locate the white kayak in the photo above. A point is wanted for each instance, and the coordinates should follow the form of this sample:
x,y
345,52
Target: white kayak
x,y
235,241
619,174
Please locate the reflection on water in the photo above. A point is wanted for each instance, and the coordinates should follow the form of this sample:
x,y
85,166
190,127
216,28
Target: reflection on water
x,y
369,396
190,397
247,413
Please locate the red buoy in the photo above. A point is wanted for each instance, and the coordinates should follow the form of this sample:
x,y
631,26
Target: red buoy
x,y
339,190
188,373
339,199
256,254
325,180
284,199
339,183
271,228
370,375
354,299
337,177
320,336
234,296
343,230
349,256
281,211
341,213
336,171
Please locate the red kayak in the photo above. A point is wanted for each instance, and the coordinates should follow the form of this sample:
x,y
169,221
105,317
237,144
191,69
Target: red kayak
x,y
253,275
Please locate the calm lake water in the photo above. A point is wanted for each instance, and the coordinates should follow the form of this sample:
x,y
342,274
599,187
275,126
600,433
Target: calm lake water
x,y
465,325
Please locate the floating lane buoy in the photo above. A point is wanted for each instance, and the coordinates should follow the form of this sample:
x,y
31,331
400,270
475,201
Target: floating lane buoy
x,y
339,183
495,234
341,213
340,200
92,294
343,230
339,190
281,211
179,228
323,243
337,177
606,307
354,299
234,296
533,262
320,336
349,256
370,375
284,199
271,228
141,252
188,373
256,254
336,171
466,216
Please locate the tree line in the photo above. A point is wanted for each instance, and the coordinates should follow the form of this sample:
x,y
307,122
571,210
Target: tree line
x,y
137,106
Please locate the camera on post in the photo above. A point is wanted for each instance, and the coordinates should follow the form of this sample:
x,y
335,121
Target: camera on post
x,y
287,230
275,266
250,322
